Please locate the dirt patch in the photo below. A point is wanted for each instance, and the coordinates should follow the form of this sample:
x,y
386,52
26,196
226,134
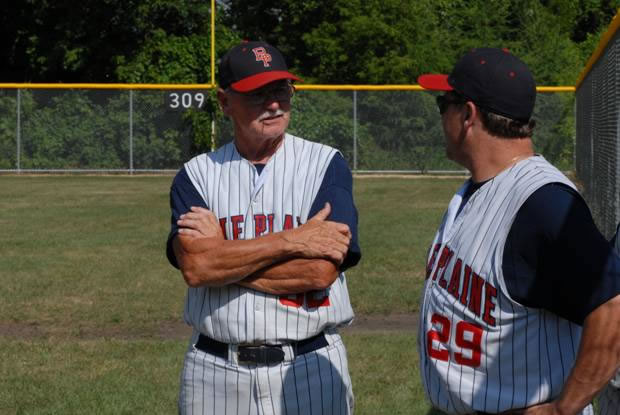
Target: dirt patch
x,y
177,330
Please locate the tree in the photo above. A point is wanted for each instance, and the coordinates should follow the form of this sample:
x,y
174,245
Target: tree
x,y
59,41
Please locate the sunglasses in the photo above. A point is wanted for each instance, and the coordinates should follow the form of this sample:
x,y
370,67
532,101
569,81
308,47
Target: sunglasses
x,y
444,101
280,93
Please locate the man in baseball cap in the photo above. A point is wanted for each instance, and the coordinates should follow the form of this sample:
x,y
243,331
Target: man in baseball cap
x,y
521,288
262,231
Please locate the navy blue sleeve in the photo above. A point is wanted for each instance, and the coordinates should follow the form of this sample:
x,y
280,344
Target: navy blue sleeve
x,y
337,189
615,237
183,195
555,257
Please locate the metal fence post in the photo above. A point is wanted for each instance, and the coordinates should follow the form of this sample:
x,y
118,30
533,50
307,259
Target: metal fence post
x,y
354,130
131,131
19,128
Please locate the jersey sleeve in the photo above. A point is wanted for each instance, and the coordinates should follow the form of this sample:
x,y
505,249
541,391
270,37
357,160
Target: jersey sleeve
x,y
555,257
337,189
183,195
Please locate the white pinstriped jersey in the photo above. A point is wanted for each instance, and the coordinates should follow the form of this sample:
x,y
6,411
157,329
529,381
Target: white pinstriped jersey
x,y
249,205
479,349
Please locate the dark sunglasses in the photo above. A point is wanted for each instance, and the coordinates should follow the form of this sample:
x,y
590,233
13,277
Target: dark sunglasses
x,y
444,101
281,93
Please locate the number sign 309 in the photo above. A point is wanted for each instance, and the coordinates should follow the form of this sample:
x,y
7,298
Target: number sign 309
x,y
183,100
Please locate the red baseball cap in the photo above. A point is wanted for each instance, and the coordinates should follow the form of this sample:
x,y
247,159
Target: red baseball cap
x,y
251,65
494,79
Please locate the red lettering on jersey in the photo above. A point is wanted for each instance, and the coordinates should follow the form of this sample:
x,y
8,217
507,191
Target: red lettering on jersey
x,y
475,296
474,346
465,284
455,279
260,224
270,222
429,266
490,292
440,335
313,299
296,301
317,299
442,281
236,222
223,226
443,259
288,222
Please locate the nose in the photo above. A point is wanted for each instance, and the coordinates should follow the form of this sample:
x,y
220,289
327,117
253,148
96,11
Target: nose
x,y
271,103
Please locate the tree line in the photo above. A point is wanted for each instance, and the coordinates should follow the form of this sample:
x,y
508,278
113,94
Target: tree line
x,y
326,42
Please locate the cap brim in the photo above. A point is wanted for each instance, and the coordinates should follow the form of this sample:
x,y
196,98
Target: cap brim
x,y
256,81
436,82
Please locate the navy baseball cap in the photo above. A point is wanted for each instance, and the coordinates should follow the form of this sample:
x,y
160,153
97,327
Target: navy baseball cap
x,y
494,79
251,65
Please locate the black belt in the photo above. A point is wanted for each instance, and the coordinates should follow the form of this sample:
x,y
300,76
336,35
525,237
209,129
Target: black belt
x,y
261,354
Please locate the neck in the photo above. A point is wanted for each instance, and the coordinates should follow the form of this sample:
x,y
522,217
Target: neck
x,y
499,155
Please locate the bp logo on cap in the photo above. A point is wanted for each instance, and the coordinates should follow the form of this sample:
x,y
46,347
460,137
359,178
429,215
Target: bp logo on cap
x,y
262,55
251,65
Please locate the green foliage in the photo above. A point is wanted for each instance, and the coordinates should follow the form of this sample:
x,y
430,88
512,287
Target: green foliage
x,y
554,135
326,117
168,59
337,42
8,129
55,41
91,130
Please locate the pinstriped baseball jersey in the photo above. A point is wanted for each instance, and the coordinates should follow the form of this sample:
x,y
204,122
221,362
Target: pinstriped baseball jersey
x,y
249,205
479,349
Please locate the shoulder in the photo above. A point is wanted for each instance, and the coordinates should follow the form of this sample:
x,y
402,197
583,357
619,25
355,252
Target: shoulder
x,y
552,202
200,165
303,146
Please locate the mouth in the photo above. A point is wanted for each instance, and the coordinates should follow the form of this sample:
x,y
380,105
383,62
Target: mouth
x,y
271,117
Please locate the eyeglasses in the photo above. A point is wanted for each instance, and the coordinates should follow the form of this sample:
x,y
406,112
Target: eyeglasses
x,y
444,101
280,93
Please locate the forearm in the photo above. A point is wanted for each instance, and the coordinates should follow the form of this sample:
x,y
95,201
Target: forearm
x,y
206,258
293,276
218,262
597,360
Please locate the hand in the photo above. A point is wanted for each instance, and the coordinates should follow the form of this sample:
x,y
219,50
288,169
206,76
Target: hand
x,y
320,238
199,223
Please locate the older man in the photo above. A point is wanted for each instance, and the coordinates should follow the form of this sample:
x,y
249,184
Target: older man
x,y
521,312
262,230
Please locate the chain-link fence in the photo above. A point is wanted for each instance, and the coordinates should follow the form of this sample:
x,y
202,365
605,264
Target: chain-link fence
x,y
94,130
598,137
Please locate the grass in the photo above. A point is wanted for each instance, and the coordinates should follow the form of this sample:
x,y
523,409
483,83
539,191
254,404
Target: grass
x,y
90,377
85,289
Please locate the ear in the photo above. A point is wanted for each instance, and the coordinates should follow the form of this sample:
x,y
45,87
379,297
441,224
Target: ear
x,y
469,114
223,101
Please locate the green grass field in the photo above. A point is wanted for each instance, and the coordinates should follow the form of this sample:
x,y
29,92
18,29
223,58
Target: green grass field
x,y
90,308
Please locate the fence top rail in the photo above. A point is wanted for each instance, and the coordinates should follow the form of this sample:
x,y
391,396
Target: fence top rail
x,y
300,87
